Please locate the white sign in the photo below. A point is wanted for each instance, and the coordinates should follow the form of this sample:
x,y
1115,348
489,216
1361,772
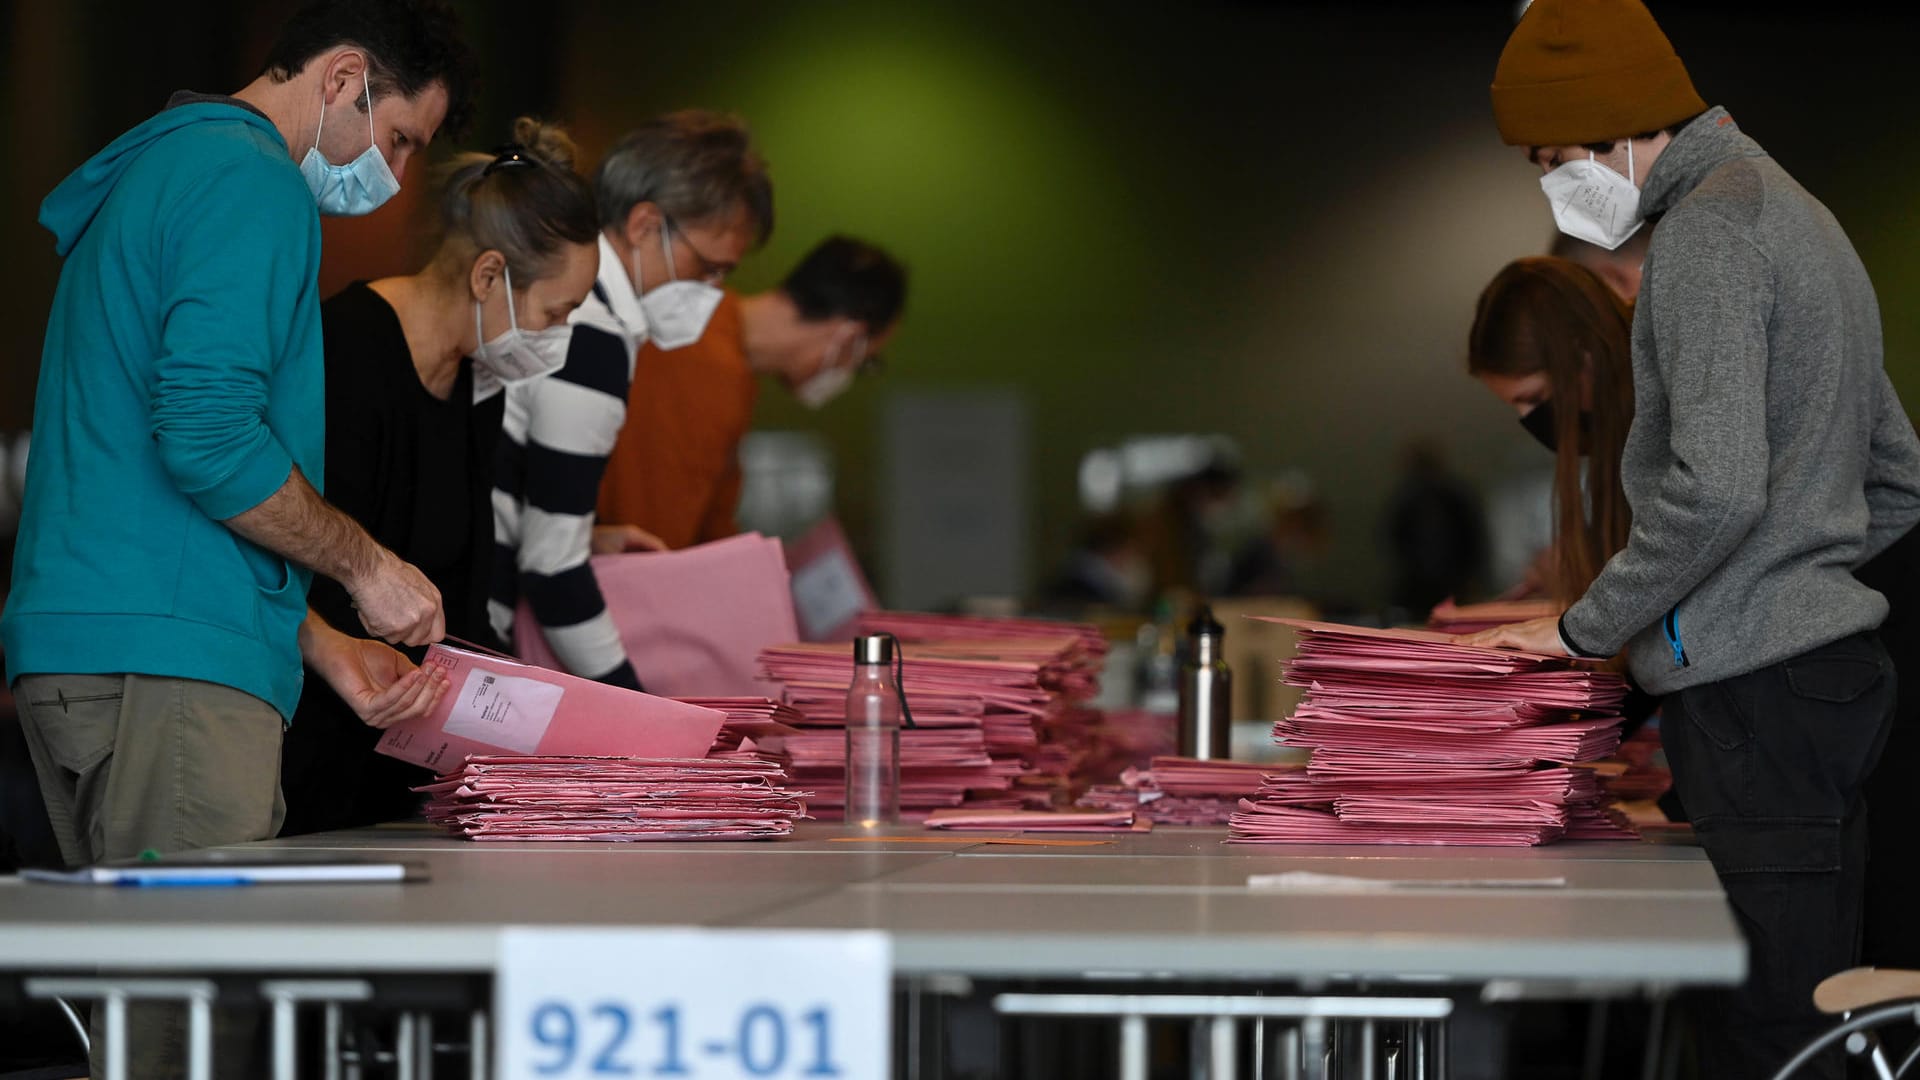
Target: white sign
x,y
503,710
693,1003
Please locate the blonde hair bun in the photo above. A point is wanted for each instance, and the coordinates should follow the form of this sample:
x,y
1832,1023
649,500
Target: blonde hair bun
x,y
549,142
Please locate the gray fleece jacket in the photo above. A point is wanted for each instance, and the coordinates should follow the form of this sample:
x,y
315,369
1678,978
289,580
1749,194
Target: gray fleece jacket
x,y
1769,455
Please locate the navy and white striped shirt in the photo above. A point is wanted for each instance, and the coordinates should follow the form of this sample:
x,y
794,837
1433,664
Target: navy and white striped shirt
x,y
559,431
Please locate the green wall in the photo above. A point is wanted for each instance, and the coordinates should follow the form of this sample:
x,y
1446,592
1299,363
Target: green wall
x,y
1266,220
1270,221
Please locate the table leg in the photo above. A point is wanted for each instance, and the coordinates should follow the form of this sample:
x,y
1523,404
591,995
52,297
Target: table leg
x,y
403,1048
332,1037
1313,1047
284,1037
1656,1031
425,1069
479,1047
200,1038
1221,1064
1133,1048
116,1003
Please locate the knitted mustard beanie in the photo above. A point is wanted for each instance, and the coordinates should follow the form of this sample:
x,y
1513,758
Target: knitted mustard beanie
x,y
1587,71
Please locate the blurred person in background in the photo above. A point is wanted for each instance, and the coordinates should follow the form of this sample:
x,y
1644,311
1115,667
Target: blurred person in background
x,y
1107,569
1436,532
1279,560
1190,532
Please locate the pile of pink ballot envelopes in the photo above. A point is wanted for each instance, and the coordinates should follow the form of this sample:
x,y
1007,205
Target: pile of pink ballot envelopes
x,y
614,799
980,691
1418,739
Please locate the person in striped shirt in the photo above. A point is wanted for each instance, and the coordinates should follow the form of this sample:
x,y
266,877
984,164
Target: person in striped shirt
x,y
681,200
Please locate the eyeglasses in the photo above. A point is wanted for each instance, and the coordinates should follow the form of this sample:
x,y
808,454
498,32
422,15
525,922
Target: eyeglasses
x,y
712,271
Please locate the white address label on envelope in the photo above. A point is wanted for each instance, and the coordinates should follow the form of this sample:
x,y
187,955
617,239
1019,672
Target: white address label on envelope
x,y
827,593
503,710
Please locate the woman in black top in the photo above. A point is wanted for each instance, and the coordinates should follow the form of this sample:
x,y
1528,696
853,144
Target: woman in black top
x,y
414,370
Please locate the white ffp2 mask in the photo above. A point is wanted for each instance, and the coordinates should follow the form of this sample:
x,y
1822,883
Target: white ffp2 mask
x,y
1592,202
516,356
833,378
678,311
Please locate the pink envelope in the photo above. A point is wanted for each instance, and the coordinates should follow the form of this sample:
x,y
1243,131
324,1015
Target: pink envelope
x,y
693,621
496,706
1039,820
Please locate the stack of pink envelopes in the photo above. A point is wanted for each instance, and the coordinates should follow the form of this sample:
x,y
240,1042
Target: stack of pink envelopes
x,y
1182,791
1049,757
1418,739
980,705
754,727
614,799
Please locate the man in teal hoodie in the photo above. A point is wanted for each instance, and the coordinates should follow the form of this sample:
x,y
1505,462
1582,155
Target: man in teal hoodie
x,y
158,620
173,516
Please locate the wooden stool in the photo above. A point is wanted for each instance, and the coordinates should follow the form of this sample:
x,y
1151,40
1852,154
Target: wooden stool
x,y
1866,1000
1863,988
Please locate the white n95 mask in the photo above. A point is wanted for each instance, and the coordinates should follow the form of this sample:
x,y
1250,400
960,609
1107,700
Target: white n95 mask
x,y
823,387
516,355
832,379
677,312
1592,202
362,185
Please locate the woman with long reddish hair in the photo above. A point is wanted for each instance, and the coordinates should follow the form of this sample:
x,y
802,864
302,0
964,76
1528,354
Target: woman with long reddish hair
x,y
1551,339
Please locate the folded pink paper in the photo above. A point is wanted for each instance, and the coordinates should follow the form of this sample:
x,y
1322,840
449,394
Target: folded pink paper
x,y
693,621
496,706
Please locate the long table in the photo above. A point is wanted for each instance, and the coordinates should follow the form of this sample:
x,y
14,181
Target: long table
x,y
1137,917
1173,903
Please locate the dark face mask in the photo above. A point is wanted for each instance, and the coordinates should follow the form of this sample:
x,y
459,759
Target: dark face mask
x,y
1542,425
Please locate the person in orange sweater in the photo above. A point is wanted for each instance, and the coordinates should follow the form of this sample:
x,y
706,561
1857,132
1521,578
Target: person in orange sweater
x,y
674,478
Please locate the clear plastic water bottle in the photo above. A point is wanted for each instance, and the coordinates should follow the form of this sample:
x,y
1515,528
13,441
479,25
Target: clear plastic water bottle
x,y
873,735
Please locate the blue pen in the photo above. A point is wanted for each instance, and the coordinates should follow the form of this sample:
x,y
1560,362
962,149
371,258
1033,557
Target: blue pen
x,y
182,882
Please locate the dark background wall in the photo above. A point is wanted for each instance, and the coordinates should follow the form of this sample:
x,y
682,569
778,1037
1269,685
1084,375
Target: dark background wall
x,y
1263,219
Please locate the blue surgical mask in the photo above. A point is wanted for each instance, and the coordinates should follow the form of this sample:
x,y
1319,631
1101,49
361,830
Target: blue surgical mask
x,y
360,186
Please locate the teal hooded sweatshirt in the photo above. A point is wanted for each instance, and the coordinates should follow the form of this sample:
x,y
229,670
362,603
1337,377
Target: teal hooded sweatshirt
x,y
182,381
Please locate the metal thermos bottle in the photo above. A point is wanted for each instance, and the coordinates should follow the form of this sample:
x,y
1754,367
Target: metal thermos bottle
x,y
1206,692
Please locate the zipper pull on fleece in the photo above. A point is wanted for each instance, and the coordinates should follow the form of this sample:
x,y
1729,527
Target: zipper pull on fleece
x,y
1672,628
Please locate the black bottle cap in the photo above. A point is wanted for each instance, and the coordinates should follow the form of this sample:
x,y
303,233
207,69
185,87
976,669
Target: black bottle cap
x,y
1204,624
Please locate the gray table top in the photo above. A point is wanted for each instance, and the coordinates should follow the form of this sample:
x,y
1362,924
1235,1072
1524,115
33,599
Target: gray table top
x,y
1172,903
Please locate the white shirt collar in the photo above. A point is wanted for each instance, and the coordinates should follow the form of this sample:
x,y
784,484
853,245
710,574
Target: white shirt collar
x,y
619,289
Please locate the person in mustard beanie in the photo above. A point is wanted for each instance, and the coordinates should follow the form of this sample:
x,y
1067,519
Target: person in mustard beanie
x,y
1768,459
